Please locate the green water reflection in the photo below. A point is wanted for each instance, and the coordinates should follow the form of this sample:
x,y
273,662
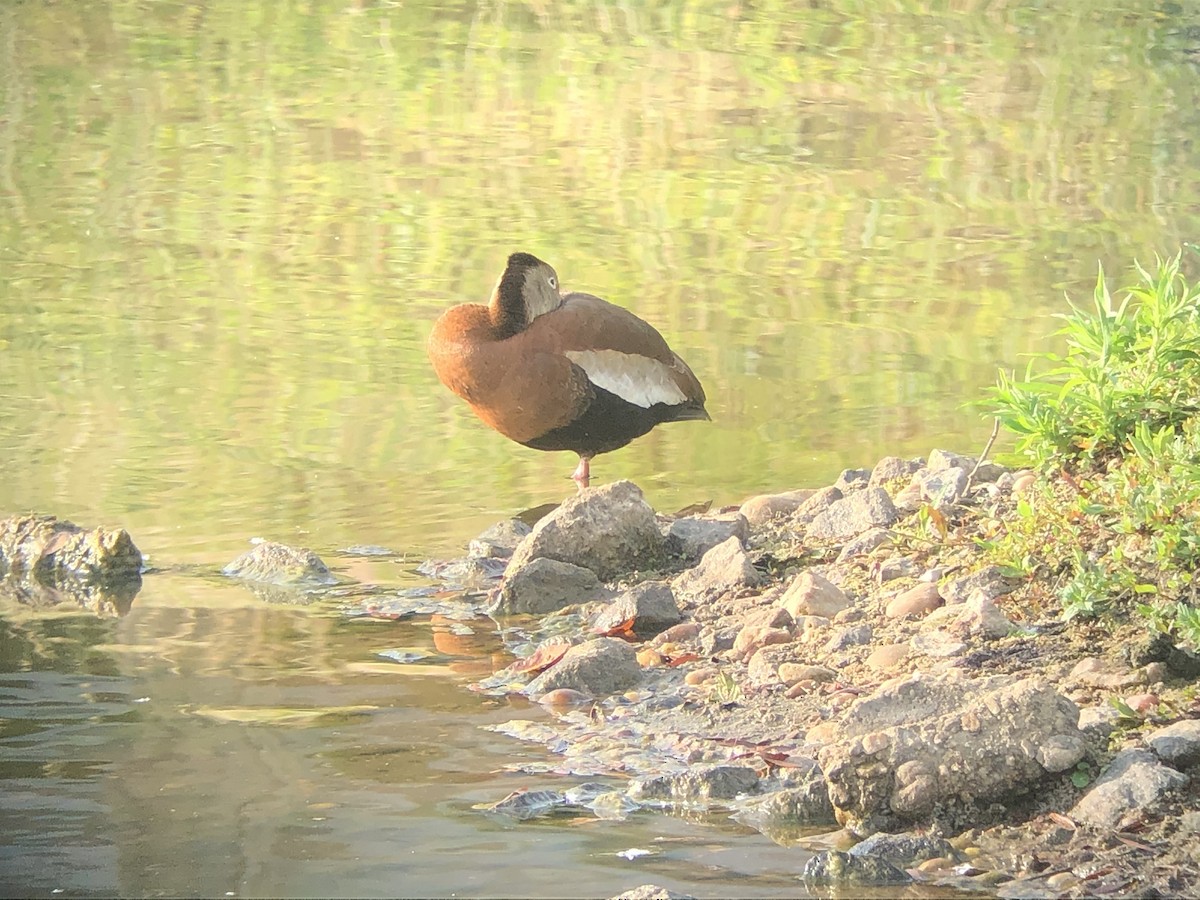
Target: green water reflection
x,y
226,228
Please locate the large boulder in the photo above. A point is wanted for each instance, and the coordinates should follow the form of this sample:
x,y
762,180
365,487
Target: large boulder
x,y
48,551
610,530
920,743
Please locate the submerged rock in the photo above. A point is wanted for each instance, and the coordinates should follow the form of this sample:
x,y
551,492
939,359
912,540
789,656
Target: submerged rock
x,y
905,849
500,541
47,551
597,667
543,586
838,868
273,563
610,530
697,786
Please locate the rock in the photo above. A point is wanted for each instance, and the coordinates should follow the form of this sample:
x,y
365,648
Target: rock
x,y
852,480
651,892
724,568
881,659
865,543
682,633
916,601
909,499
938,644
693,536
1023,481
544,585
500,541
944,487
811,594
802,801
989,472
466,571
838,868
765,507
896,567
903,850
597,667
46,551
1177,744
852,515
696,786
1094,672
923,742
1099,722
714,640
610,530
941,460
988,581
651,605
273,563
1134,780
980,616
851,636
818,503
753,638
791,672
891,468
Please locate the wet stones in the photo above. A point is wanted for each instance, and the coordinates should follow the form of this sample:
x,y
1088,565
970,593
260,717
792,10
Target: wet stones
x,y
50,551
597,667
543,586
500,541
905,849
696,787
610,530
833,867
269,562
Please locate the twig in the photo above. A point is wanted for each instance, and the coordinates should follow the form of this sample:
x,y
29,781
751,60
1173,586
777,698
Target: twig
x,y
987,448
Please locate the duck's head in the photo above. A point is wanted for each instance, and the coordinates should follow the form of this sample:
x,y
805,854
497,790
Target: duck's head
x,y
527,289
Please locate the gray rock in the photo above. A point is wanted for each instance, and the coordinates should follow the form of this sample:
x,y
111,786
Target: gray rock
x,y
543,585
940,460
852,515
273,563
610,530
922,742
650,604
1177,744
980,616
989,472
897,567
696,786
938,644
852,480
905,849
726,567
652,892
838,868
943,487
500,541
693,536
44,550
811,594
816,504
892,467
597,667
865,543
1099,722
1134,780
714,640
466,571
988,581
850,636
800,801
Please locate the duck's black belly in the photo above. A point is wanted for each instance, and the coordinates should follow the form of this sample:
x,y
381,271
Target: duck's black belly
x,y
608,423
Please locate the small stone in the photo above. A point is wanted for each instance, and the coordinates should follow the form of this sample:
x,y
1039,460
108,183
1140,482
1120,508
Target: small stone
x,y
499,541
275,563
909,499
945,487
650,605
897,567
600,666
1092,671
701,676
845,638
682,633
693,536
938,644
982,617
823,733
865,543
815,505
988,581
1134,780
933,575
651,892
887,657
1023,481
941,460
753,638
696,786
890,468
838,868
649,658
852,480
790,673
1143,704
916,601
765,507
1062,881
811,594
905,849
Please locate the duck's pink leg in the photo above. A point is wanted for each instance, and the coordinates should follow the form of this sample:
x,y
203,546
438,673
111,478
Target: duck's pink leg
x,y
583,472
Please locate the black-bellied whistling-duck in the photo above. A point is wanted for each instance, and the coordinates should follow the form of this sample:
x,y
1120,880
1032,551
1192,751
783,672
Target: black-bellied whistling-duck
x,y
558,371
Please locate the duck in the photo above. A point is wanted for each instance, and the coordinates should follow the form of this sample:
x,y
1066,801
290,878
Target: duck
x,y
561,371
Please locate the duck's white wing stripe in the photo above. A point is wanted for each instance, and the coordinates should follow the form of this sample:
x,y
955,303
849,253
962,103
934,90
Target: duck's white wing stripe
x,y
637,379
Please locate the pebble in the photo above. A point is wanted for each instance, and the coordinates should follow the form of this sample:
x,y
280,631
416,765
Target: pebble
x,y
934,865
887,657
681,633
1142,703
915,601
649,658
790,673
824,733
700,676
1023,481
564,697
1062,881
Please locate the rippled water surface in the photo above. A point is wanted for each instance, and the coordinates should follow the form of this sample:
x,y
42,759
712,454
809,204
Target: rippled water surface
x,y
225,230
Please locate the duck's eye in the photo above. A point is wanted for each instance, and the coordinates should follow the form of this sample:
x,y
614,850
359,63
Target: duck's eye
x,y
553,282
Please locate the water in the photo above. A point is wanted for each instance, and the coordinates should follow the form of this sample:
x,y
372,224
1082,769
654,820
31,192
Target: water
x,y
225,230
